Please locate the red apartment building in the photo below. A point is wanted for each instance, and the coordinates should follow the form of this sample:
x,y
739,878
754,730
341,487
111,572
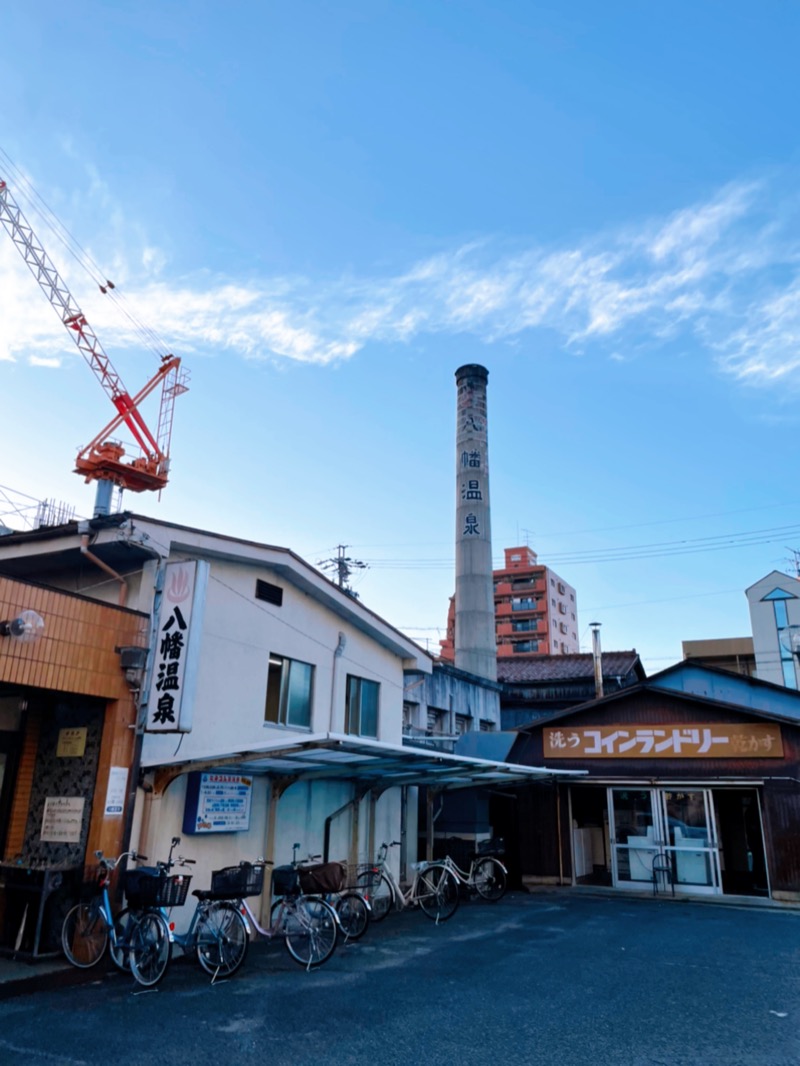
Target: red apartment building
x,y
535,611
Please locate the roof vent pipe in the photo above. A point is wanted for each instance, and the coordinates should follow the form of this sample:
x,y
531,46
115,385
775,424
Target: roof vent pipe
x,y
597,656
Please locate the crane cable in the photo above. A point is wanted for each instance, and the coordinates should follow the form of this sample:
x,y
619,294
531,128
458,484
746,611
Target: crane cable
x,y
27,191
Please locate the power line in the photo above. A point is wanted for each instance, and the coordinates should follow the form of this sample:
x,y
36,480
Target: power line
x,y
626,553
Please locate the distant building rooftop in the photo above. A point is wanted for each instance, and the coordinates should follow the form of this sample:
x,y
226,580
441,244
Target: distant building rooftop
x,y
549,668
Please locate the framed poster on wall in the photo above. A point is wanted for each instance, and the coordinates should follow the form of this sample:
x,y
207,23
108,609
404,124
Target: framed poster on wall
x,y
217,803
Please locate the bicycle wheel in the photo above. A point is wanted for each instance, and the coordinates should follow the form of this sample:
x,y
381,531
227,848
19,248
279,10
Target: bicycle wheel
x,y
378,891
353,914
489,880
436,891
84,935
310,929
150,948
119,945
221,940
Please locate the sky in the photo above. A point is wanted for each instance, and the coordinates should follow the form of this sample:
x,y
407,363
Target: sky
x,y
325,210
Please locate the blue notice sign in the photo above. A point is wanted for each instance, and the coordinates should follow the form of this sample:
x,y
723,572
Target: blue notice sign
x,y
217,803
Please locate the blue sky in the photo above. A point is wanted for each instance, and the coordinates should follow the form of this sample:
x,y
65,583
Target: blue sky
x,y
327,209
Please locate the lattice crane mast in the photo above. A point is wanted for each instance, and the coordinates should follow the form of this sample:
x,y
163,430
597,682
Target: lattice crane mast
x,y
101,460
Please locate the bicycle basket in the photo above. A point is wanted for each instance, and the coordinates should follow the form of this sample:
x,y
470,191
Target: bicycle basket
x,y
323,878
236,882
149,887
492,846
284,881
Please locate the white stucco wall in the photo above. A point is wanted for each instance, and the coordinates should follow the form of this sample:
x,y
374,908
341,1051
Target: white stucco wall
x,y
238,634
301,814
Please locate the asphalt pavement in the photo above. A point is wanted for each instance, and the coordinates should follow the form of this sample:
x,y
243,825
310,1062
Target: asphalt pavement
x,y
546,978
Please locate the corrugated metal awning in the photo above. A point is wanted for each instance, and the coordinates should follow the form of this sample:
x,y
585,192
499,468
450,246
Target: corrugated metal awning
x,y
330,756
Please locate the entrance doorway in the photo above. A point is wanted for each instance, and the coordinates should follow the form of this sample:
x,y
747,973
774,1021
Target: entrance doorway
x,y
674,826
9,748
703,841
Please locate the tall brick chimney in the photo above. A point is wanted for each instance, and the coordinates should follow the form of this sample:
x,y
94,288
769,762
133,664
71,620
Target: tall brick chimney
x,y
475,646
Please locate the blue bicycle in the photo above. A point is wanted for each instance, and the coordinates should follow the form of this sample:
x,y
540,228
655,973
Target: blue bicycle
x,y
90,927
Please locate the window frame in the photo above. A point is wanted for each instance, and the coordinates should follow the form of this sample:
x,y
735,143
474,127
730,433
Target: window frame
x,y
353,681
283,665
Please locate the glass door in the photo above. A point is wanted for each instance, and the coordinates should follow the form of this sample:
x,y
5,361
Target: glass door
x,y
691,839
636,836
673,824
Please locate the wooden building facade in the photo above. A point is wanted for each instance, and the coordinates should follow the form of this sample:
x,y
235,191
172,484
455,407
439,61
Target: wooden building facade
x,y
691,787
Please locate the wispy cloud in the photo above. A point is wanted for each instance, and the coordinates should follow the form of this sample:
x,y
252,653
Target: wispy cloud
x,y
724,272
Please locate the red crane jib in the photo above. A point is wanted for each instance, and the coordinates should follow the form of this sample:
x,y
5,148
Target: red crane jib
x,y
101,459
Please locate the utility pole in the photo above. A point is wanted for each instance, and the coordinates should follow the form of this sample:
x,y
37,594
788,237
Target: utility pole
x,y
795,561
342,567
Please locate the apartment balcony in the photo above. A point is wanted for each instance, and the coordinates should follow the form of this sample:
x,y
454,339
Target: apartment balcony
x,y
524,604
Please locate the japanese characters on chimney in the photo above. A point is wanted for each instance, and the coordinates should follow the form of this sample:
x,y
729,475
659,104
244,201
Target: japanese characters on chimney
x,y
177,651
475,645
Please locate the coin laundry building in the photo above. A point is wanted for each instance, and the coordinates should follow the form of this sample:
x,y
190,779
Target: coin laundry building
x,y
692,787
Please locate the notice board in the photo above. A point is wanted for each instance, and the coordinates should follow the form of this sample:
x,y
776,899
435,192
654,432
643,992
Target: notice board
x,y
217,803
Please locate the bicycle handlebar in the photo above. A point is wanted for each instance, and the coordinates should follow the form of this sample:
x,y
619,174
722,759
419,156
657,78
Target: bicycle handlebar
x,y
109,863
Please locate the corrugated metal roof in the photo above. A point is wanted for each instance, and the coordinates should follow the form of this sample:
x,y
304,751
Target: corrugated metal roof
x,y
330,755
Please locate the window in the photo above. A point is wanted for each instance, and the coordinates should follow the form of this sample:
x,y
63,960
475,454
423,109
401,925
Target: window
x,y
462,723
518,603
289,685
361,707
525,645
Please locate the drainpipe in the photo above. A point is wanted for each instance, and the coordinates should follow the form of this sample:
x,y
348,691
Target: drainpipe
x,y
598,660
123,585
337,721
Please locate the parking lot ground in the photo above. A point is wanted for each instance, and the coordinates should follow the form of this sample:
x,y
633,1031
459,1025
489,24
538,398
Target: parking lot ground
x,y
545,978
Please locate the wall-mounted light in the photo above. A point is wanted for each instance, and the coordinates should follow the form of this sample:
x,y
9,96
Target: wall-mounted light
x,y
133,661
26,627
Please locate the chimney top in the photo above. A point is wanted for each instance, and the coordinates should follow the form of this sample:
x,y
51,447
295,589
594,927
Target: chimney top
x,y
472,370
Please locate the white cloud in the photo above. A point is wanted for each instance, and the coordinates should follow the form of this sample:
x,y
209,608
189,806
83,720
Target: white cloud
x,y
725,270
40,360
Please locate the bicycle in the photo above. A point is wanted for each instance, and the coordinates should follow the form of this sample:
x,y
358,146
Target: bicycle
x,y
90,927
308,924
329,880
434,889
217,935
486,875
154,891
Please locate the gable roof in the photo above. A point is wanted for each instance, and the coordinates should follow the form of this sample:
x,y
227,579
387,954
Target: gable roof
x,y
776,577
698,683
128,539
550,668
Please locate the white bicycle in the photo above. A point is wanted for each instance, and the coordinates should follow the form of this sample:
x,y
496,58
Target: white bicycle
x,y
486,876
434,888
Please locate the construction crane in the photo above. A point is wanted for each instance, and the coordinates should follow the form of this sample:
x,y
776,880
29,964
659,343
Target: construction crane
x,y
102,459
